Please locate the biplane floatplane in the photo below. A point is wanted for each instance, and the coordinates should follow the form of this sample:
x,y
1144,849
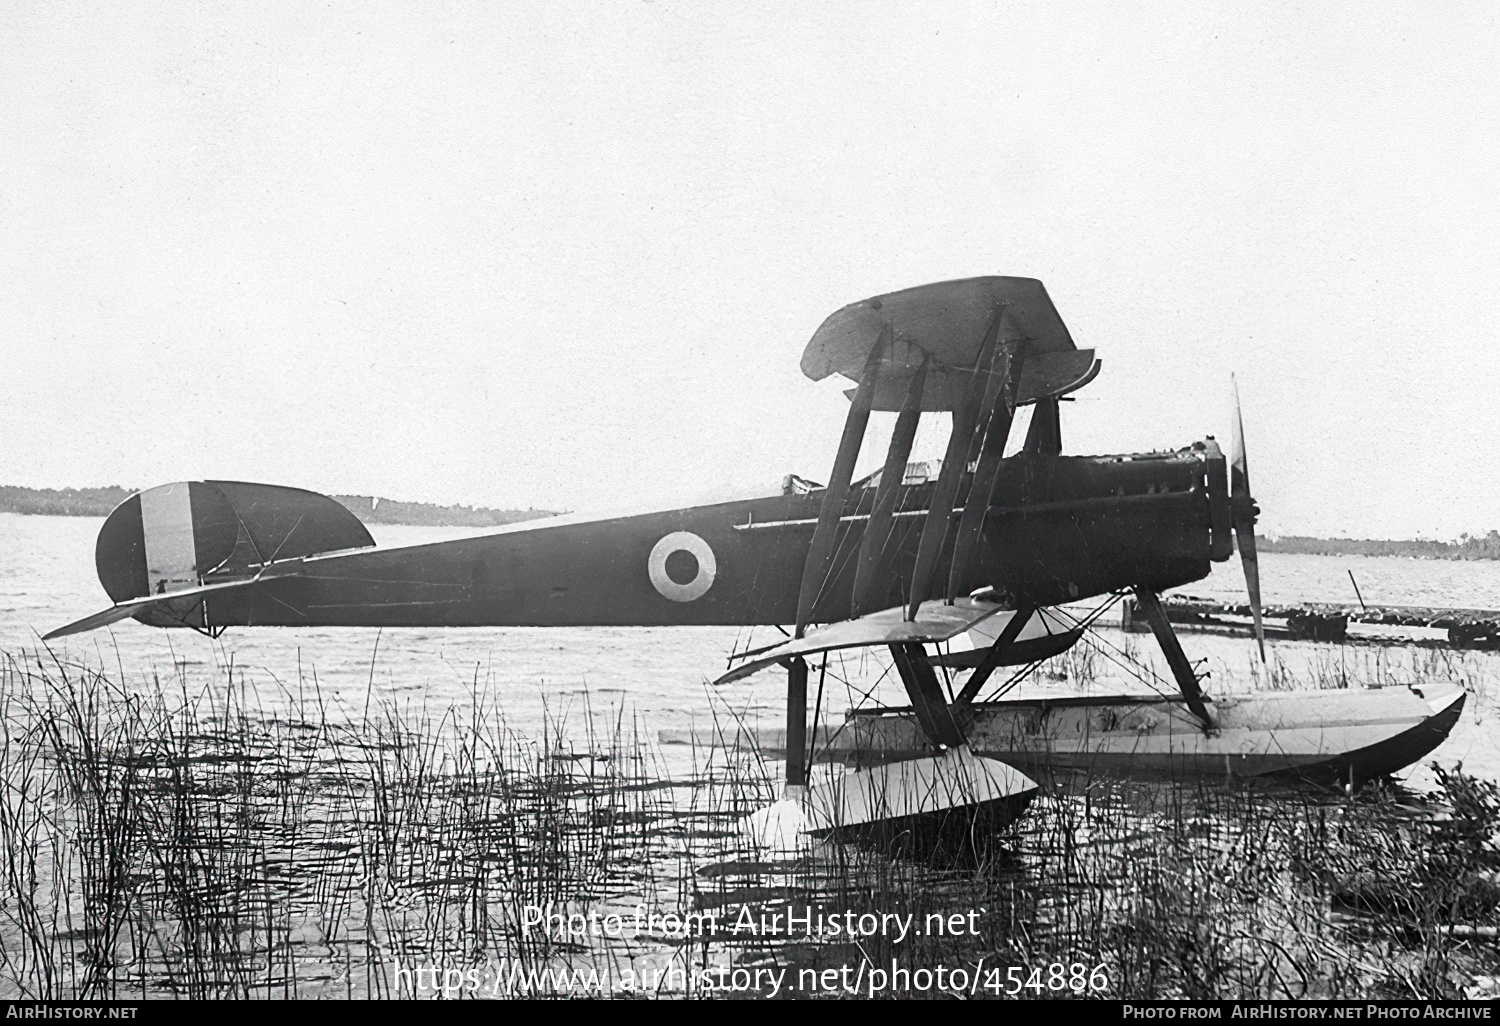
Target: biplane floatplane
x,y
988,550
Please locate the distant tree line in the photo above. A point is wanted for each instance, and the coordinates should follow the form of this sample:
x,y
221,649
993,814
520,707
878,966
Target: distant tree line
x,y
62,502
1467,547
374,510
97,502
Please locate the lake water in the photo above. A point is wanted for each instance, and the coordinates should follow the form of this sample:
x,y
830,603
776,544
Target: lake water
x,y
661,675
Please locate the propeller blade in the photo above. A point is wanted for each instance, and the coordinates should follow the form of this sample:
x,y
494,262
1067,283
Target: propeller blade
x,y
1244,513
1239,465
1245,535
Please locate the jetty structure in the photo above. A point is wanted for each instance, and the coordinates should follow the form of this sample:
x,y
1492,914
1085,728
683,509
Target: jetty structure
x,y
1328,621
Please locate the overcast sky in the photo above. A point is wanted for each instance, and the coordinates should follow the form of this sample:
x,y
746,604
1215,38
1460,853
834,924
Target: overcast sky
x,y
568,255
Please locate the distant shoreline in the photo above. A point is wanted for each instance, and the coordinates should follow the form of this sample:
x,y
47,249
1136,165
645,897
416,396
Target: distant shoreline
x,y
1466,548
97,502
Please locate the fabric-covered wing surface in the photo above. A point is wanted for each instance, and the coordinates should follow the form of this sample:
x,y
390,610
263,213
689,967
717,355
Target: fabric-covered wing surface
x,y
935,621
946,323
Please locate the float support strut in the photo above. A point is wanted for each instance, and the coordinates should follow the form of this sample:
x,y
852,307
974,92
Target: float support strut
x,y
991,660
796,723
926,695
1150,604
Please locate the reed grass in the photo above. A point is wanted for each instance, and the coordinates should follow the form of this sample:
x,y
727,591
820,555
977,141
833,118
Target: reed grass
x,y
158,841
165,837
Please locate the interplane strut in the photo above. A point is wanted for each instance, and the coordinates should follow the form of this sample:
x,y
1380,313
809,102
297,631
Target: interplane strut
x,y
869,575
940,511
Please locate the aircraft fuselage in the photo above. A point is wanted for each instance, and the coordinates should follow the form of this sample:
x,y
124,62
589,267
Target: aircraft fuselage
x,y
1059,529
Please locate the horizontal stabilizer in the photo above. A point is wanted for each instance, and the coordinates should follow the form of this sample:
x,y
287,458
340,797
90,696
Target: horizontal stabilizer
x,y
936,621
182,598
103,618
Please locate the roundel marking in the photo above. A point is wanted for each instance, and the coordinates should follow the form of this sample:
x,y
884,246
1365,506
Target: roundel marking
x,y
681,541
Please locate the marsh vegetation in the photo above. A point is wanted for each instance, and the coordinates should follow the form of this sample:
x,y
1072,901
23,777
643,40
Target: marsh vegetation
x,y
171,836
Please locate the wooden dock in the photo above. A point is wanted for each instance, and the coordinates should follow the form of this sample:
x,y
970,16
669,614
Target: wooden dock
x,y
1324,621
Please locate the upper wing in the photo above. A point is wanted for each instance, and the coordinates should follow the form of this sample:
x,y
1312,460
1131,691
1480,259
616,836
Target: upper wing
x,y
946,324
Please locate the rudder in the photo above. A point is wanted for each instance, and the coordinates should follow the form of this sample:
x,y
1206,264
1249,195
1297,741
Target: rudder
x,y
188,533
